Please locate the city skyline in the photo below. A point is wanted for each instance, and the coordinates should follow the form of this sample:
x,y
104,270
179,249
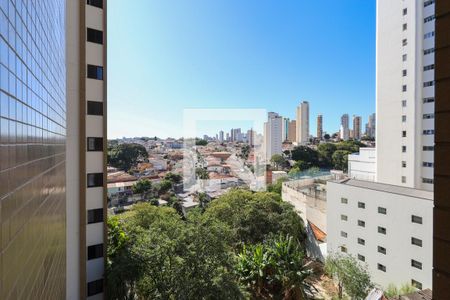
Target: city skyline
x,y
203,73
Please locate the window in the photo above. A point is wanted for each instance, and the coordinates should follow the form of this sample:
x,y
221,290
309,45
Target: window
x,y
404,118
405,26
95,108
95,251
416,241
404,57
361,205
403,179
403,149
416,284
344,200
403,164
428,51
416,264
381,267
428,35
427,180
429,19
404,88
428,83
343,249
405,11
94,144
381,230
427,3
404,42
361,223
95,36
95,72
95,287
344,218
94,180
344,234
427,164
416,219
382,210
361,257
428,132
361,241
404,133
428,116
428,148
96,3
382,250
95,215
404,73
403,103
429,67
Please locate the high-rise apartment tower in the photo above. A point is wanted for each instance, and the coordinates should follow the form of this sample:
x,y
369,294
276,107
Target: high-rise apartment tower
x,y
303,123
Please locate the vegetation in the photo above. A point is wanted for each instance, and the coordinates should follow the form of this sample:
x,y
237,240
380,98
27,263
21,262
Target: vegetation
x,y
201,173
393,291
142,186
201,142
277,160
275,267
276,187
174,178
245,151
153,253
126,156
351,276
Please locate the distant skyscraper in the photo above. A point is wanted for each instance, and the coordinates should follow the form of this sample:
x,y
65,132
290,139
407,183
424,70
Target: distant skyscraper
x,y
292,132
285,129
371,130
228,137
272,135
221,136
344,129
303,123
251,137
319,127
357,122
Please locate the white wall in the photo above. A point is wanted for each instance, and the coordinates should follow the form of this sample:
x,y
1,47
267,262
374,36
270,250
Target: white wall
x,y
362,165
399,228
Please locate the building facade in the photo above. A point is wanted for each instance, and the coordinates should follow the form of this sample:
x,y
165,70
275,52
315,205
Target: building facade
x,y
53,158
385,226
272,135
319,127
344,129
302,132
405,93
363,165
292,132
357,122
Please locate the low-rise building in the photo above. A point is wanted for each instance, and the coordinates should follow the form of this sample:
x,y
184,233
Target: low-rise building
x,y
386,226
363,165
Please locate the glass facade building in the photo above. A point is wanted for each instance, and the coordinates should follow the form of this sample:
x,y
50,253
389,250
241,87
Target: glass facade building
x,y
32,149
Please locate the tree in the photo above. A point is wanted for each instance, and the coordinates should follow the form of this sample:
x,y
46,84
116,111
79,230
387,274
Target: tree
x,y
251,217
200,142
326,137
164,186
340,159
201,173
275,269
125,156
245,151
301,165
294,172
351,276
174,178
277,160
393,291
142,186
277,187
306,154
326,151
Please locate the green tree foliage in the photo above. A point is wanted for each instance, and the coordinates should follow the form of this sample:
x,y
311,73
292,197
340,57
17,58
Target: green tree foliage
x,y
201,173
277,160
277,186
245,151
393,291
125,156
253,216
201,142
275,268
174,178
351,276
340,159
142,186
306,154
350,145
326,151
164,186
326,136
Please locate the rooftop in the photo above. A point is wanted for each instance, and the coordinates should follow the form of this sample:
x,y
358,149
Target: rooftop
x,y
389,188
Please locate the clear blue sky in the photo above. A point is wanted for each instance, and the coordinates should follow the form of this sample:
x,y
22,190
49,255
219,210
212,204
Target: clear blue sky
x,y
167,55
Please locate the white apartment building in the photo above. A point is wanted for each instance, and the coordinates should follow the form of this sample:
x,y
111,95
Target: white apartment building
x,y
363,165
285,129
344,131
302,123
405,92
386,226
273,135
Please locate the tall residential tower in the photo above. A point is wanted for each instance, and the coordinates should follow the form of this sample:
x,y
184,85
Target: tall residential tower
x,y
302,123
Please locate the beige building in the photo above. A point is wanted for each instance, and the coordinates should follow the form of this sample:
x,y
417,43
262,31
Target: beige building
x,y
292,131
53,158
356,132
